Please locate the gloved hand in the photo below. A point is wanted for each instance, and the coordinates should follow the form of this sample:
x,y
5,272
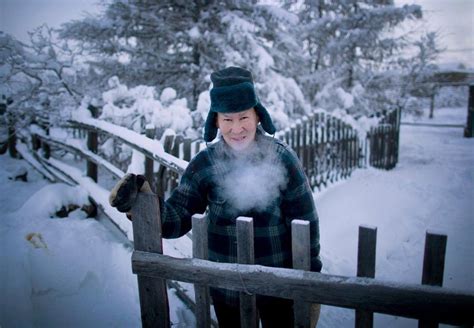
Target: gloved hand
x,y
124,194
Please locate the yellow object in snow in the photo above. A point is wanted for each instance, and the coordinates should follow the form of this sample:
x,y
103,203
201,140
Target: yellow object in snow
x,y
36,239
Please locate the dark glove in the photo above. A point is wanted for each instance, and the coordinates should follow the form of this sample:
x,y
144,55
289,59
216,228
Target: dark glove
x,y
124,194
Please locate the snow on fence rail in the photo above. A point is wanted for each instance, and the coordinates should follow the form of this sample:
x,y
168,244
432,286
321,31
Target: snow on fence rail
x,y
328,148
429,304
149,147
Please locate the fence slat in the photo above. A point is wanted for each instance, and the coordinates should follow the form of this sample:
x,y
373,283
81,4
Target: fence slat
x,y
433,266
300,243
187,149
246,255
203,310
150,133
92,145
366,268
305,146
175,151
147,237
164,173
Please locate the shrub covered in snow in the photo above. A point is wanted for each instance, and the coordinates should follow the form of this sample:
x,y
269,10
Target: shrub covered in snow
x,y
138,106
138,109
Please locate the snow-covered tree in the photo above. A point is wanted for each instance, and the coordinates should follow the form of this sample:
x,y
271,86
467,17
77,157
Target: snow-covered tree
x,y
42,78
409,80
140,106
178,44
349,42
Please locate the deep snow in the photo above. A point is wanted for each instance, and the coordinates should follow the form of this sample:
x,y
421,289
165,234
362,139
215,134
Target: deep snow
x,y
74,272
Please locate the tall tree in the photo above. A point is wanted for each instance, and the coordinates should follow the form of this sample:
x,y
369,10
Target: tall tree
x,y
179,43
41,78
348,39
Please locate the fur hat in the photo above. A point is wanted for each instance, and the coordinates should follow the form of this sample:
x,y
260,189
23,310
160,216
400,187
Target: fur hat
x,y
233,91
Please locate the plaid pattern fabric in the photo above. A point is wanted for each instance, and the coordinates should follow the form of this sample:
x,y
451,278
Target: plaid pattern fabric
x,y
201,188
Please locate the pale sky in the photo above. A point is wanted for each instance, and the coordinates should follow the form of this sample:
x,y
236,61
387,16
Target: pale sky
x,y
453,19
17,17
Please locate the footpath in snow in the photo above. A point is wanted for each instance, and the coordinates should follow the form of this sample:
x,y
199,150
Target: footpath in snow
x,y
74,272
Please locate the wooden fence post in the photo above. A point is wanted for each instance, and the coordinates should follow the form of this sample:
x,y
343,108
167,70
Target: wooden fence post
x,y
338,159
469,130
11,136
397,135
246,255
175,151
44,145
92,145
345,138
293,138
305,146
187,149
372,146
327,152
311,151
366,268
35,142
300,243
433,266
287,136
203,314
150,133
163,175
147,237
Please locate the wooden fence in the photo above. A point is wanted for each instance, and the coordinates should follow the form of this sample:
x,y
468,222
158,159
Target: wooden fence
x,y
383,142
366,295
328,148
429,303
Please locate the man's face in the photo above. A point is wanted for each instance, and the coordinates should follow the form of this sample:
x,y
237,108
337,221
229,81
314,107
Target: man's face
x,y
238,129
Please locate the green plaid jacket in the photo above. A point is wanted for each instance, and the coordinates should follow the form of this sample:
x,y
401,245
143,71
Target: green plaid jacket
x,y
201,188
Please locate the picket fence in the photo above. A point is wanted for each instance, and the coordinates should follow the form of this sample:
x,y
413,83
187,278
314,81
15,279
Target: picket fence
x,y
429,304
383,141
328,148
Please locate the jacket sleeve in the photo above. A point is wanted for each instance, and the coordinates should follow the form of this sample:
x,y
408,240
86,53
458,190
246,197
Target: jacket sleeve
x,y
298,204
186,200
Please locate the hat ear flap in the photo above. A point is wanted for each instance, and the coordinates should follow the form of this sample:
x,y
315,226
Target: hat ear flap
x,y
265,119
210,128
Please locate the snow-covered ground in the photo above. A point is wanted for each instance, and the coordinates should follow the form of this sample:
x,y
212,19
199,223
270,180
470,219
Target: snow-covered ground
x,y
74,272
431,189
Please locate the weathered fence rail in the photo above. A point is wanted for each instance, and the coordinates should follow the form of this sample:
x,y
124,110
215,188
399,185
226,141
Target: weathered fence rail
x,y
428,303
328,148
